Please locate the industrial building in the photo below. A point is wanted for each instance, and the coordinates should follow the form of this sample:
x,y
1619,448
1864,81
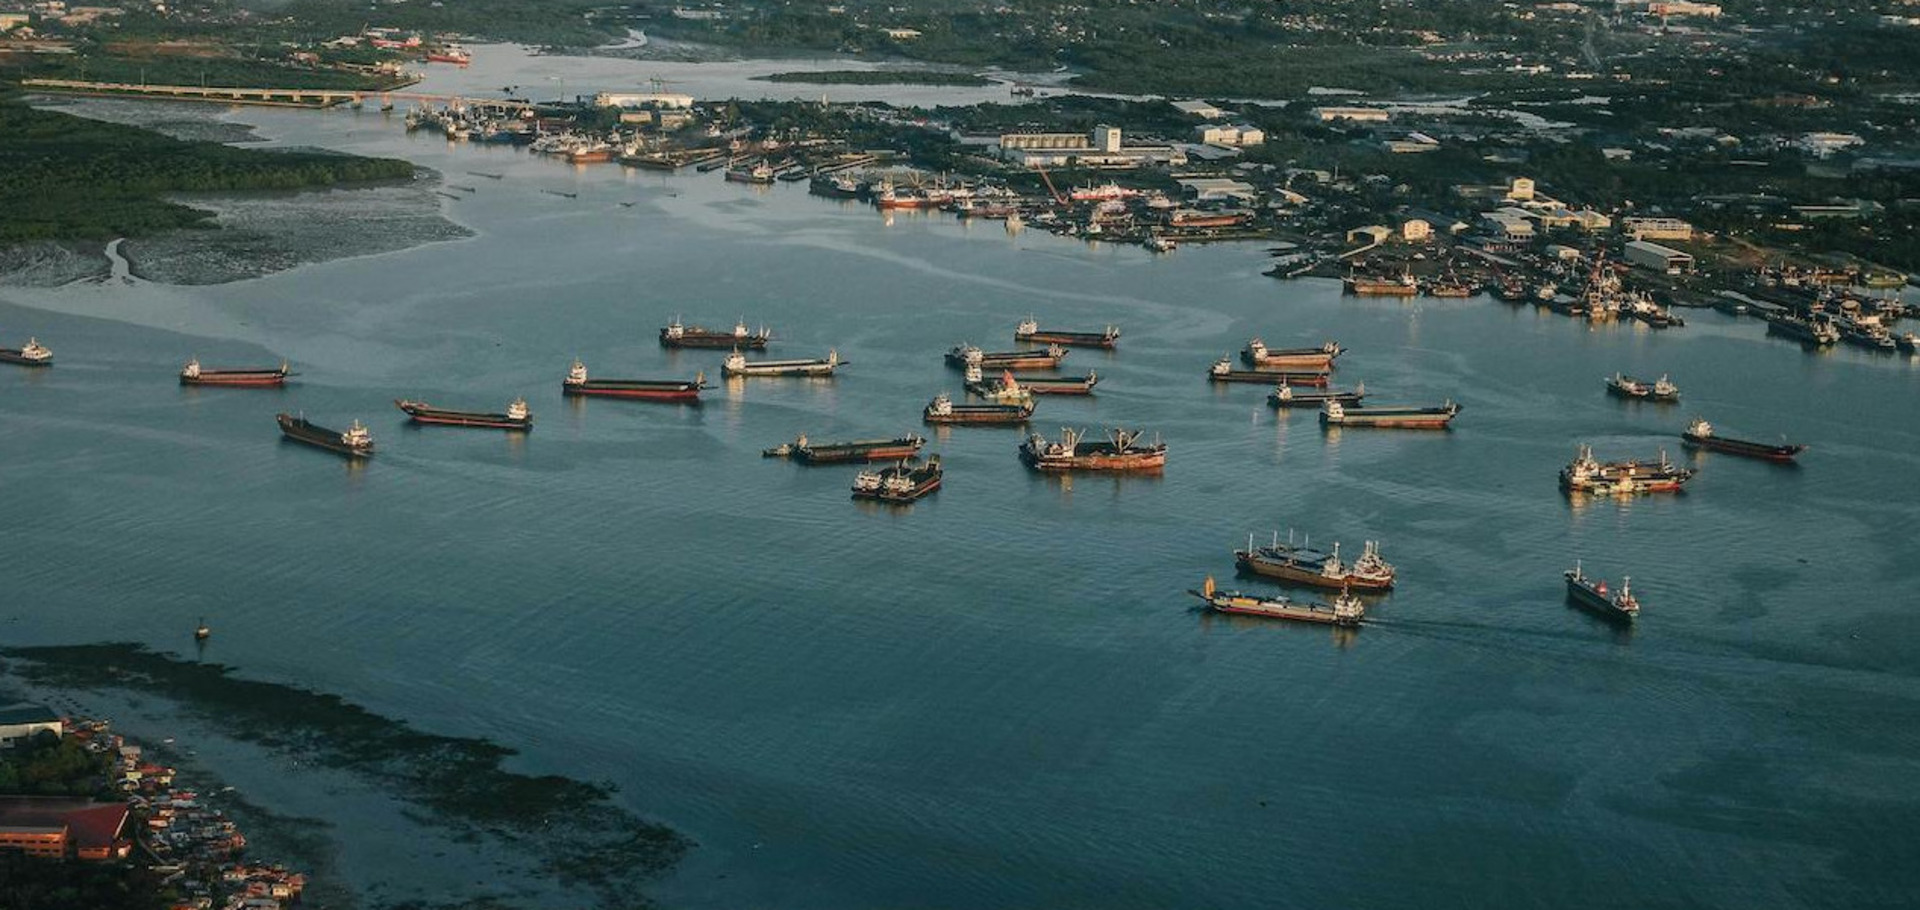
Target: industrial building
x,y
1199,109
1656,228
642,99
1239,136
1653,256
1361,114
1101,147
21,722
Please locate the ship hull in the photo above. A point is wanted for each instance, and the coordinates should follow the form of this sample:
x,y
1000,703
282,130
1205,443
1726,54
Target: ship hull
x,y
639,390
1415,420
1010,360
1070,339
768,368
14,357
1314,399
920,490
1318,361
1064,385
1381,289
845,453
423,414
237,378
981,415
1306,574
1142,462
1594,602
717,340
1272,377
300,431
1268,609
1779,454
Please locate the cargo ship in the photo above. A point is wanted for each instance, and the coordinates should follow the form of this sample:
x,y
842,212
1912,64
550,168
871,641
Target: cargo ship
x,y
1700,434
450,54
803,450
516,416
1223,371
34,354
356,442
1307,566
943,410
760,174
1287,396
1593,595
1011,387
1585,474
592,153
901,483
1402,286
963,355
1439,417
1120,451
1819,333
192,374
1195,219
1030,331
737,364
676,335
577,383
1628,387
1258,355
1346,610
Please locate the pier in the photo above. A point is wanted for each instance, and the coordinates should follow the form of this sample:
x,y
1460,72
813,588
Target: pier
x,y
271,97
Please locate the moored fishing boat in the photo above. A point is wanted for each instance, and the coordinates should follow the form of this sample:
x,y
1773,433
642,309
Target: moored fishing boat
x,y
1346,610
805,451
515,417
356,442
1410,417
737,364
1223,371
32,354
1586,474
193,374
1287,396
1305,565
901,483
1030,331
964,355
1320,359
942,410
577,383
1592,594
1701,434
676,335
1660,389
1120,451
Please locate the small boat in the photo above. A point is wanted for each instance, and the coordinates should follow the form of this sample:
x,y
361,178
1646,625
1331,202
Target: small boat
x,y
1593,595
1346,610
1586,474
1160,243
737,364
1030,331
943,410
1628,387
675,335
192,374
803,450
964,355
1223,371
901,483
1287,396
577,383
356,442
1120,451
34,354
1908,342
1700,434
1307,566
1320,359
760,174
1439,417
202,632
516,417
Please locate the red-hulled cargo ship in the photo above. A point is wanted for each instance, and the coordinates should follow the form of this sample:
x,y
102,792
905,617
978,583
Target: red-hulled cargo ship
x,y
516,416
1030,331
193,374
1223,371
577,383
1320,359
1120,451
965,355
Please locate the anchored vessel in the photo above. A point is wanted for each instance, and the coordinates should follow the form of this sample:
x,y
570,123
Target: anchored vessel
x,y
516,416
1010,388
1223,371
901,483
1120,451
1307,566
1030,331
1817,332
804,450
738,365
192,374
1592,593
577,383
1286,396
1337,414
943,410
1346,610
34,354
1320,359
964,355
1628,387
675,335
1588,475
1700,434
356,442
1399,286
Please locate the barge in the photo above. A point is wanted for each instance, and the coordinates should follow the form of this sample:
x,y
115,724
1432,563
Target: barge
x,y
1287,396
1585,474
34,354
1700,434
1320,359
1120,451
675,335
1307,566
577,383
1223,371
515,417
1592,594
804,450
901,483
1346,610
193,374
737,364
1408,417
1030,331
942,410
965,355
356,442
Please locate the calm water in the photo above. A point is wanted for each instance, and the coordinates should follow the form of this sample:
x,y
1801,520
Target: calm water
x,y
1000,697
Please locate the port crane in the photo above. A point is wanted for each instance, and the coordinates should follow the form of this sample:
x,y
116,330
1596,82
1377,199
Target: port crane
x,y
1052,190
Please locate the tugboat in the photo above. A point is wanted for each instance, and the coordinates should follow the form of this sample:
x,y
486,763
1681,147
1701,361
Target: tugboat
x,y
1628,387
1700,434
804,451
1012,388
1030,331
1588,475
943,410
1307,566
1286,396
961,355
1336,414
577,383
202,632
356,442
1346,610
675,335
34,354
1120,451
1223,371
1593,595
737,364
516,417
901,483
192,374
1320,359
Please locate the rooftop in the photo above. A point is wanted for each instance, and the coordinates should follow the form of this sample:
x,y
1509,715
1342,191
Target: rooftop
x,y
24,713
